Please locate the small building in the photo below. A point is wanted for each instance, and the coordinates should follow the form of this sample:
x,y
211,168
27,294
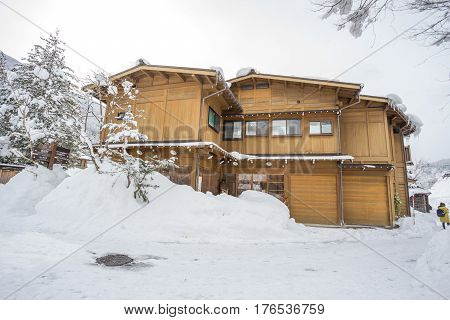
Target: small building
x,y
7,171
418,198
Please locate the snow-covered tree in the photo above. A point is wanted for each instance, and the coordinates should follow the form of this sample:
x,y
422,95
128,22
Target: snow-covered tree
x,y
359,14
120,129
39,103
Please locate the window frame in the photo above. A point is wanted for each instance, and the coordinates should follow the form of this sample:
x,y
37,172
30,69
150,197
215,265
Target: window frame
x,y
286,122
321,133
215,115
224,131
120,115
256,132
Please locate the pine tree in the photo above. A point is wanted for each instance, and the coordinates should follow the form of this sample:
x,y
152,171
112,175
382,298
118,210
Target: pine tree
x,y
43,100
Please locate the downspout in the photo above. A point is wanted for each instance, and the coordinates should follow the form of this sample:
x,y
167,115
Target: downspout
x,y
199,138
341,183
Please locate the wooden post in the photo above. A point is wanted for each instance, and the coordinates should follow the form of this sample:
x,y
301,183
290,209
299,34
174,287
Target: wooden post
x,y
51,159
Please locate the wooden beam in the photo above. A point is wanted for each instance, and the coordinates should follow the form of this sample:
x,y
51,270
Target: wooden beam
x,y
180,76
197,79
209,80
149,74
162,74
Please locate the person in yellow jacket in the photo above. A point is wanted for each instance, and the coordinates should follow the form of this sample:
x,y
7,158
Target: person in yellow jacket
x,y
444,219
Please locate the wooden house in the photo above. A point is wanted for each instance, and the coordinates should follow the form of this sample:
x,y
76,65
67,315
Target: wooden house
x,y
335,157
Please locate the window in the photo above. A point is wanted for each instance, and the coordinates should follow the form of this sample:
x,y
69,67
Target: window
x,y
257,128
232,130
213,119
246,87
408,158
287,127
320,127
272,184
120,115
262,85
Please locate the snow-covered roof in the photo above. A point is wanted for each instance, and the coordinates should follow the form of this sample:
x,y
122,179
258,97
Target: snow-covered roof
x,y
187,144
395,103
418,190
305,157
331,83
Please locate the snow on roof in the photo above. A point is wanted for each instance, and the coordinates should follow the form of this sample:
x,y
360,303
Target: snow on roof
x,y
418,190
187,144
240,156
245,71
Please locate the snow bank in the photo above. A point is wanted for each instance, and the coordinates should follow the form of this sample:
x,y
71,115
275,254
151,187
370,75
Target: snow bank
x,y
433,267
418,224
87,203
21,194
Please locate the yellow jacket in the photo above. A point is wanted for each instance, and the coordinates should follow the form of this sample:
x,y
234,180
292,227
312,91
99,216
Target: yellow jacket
x,y
445,217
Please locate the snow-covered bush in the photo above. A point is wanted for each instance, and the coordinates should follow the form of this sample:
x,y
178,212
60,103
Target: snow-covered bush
x,y
122,129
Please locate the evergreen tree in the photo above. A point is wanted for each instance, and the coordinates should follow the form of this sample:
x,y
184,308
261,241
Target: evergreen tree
x,y
43,102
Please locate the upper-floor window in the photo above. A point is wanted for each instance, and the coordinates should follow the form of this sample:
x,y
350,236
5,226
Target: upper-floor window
x,y
257,128
286,127
232,130
246,87
320,127
213,119
408,157
262,85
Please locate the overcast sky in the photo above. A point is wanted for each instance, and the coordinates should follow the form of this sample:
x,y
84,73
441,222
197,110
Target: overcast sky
x,y
280,37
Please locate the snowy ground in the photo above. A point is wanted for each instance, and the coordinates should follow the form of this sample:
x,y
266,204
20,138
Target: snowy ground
x,y
189,245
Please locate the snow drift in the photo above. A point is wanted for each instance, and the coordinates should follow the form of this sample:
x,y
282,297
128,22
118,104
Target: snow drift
x,y
433,266
21,194
176,213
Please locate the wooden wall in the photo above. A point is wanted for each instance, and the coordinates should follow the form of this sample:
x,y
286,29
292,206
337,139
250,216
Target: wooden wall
x,y
365,134
400,171
284,96
303,144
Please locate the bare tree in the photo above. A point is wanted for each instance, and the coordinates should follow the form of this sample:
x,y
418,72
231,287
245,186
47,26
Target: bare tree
x,y
359,14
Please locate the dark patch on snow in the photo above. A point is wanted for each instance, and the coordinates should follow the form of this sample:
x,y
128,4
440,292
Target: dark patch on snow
x,y
114,260
310,269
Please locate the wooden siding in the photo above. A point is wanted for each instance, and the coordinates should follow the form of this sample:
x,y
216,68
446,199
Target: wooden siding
x,y
302,144
401,183
314,199
283,96
366,200
365,135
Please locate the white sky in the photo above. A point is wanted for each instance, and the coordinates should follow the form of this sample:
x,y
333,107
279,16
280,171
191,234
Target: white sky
x,y
281,37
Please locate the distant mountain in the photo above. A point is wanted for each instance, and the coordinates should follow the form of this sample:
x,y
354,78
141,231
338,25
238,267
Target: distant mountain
x,y
427,173
10,61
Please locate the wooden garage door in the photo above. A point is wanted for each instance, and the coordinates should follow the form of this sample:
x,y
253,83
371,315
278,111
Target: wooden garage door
x,y
313,199
366,200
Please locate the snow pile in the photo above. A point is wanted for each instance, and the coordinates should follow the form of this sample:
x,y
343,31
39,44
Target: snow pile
x,y
433,267
440,192
20,195
414,119
418,224
219,70
246,71
78,210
